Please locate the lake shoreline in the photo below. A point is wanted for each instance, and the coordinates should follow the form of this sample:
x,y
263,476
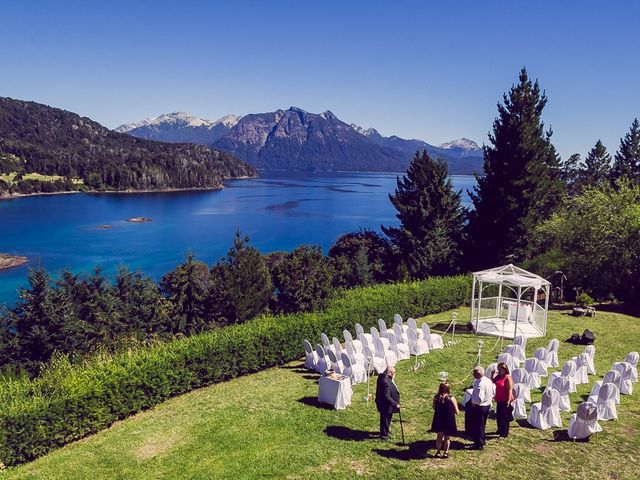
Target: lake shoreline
x,y
11,261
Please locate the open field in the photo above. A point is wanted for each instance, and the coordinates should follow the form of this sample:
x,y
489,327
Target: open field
x,y
9,178
269,425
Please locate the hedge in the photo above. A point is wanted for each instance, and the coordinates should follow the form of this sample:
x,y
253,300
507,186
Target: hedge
x,y
67,402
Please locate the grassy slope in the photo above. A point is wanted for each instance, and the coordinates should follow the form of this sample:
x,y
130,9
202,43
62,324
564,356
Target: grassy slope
x,y
268,425
9,178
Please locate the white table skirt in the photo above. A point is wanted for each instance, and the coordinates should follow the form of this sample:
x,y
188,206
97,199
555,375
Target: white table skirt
x,y
524,312
335,392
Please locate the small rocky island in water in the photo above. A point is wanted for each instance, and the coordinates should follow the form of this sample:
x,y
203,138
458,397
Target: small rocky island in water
x,y
139,220
11,261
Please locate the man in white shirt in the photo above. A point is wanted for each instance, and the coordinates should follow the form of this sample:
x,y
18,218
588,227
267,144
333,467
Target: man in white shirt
x,y
480,404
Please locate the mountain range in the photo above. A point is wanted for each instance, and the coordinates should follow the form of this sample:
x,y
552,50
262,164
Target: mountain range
x,y
296,140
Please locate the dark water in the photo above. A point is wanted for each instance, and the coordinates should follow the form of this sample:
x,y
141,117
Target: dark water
x,y
278,212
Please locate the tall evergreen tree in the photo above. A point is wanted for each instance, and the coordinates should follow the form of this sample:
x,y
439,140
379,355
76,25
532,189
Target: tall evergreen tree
x,y
571,171
521,184
597,166
627,159
430,234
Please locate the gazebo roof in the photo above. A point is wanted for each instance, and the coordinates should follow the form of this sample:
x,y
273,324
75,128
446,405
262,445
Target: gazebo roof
x,y
512,276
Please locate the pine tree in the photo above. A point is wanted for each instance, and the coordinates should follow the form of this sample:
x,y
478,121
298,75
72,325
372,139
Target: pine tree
x,y
627,159
571,172
430,234
597,166
521,184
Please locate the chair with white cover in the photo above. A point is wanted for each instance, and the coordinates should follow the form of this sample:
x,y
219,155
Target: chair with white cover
x,y
376,363
582,369
310,357
383,328
533,367
400,349
626,374
632,358
412,325
569,372
519,407
591,351
541,354
606,402
401,337
520,340
375,334
584,422
546,414
379,351
325,343
612,376
508,359
417,346
336,363
521,377
517,352
364,341
337,347
355,356
354,371
357,344
552,353
322,365
562,385
434,340
491,370
360,331
398,319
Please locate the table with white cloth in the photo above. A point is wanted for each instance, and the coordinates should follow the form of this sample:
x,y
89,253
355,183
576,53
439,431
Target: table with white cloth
x,y
335,390
523,313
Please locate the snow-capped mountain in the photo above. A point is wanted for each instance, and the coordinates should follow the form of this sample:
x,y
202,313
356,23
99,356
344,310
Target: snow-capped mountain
x,y
462,144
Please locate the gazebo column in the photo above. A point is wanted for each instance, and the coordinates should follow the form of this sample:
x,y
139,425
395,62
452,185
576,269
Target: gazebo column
x,y
479,304
546,306
517,310
473,301
499,304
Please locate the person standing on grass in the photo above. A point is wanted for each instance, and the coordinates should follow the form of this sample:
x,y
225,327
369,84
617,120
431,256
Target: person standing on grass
x,y
480,405
387,400
445,409
504,399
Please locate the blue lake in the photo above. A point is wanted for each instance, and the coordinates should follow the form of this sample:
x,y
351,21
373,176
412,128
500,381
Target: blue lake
x,y
277,211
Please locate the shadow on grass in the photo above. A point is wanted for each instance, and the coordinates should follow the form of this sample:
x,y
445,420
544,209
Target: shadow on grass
x,y
415,450
311,377
346,433
313,402
299,368
524,424
563,436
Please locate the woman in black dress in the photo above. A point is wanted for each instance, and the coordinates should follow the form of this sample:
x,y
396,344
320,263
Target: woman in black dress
x,y
445,409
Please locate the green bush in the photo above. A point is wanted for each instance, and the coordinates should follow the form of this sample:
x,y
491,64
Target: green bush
x,y
67,402
584,299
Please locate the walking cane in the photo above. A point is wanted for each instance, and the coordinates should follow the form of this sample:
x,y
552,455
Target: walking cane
x,y
401,427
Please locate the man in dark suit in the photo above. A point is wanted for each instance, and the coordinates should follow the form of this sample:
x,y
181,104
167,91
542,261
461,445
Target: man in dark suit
x,y
387,400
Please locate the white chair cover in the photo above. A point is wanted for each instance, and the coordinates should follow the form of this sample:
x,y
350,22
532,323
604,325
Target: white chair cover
x,y
401,337
398,319
584,422
335,363
552,353
534,367
390,357
569,372
582,369
606,402
357,373
490,371
364,341
375,334
546,414
360,331
322,364
561,384
325,343
412,325
612,376
337,347
517,352
357,344
508,359
310,357
519,407
400,349
541,354
383,328
591,351
521,377
355,356
632,358
626,374
433,339
376,363
417,346
522,341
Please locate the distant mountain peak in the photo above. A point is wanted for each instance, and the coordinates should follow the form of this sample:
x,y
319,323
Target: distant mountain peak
x,y
367,132
462,144
179,120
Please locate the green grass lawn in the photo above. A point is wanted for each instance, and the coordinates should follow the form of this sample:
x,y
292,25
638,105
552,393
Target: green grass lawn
x,y
10,178
269,425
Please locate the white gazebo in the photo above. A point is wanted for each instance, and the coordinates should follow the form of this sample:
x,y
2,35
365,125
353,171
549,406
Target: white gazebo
x,y
509,301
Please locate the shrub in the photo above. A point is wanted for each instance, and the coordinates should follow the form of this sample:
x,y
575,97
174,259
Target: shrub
x,y
68,402
584,299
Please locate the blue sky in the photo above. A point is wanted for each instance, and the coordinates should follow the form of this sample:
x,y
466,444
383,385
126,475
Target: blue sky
x,y
417,69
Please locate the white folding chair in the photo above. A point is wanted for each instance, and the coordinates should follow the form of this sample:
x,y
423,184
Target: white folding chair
x,y
377,363
546,414
612,376
582,369
584,422
417,346
390,357
533,367
325,343
310,357
521,377
541,354
517,352
411,325
626,375
508,359
360,331
400,349
552,353
491,370
520,340
375,334
591,351
562,385
322,364
357,344
335,363
606,402
355,356
383,328
434,340
519,406
401,337
354,371
632,359
337,347
569,372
